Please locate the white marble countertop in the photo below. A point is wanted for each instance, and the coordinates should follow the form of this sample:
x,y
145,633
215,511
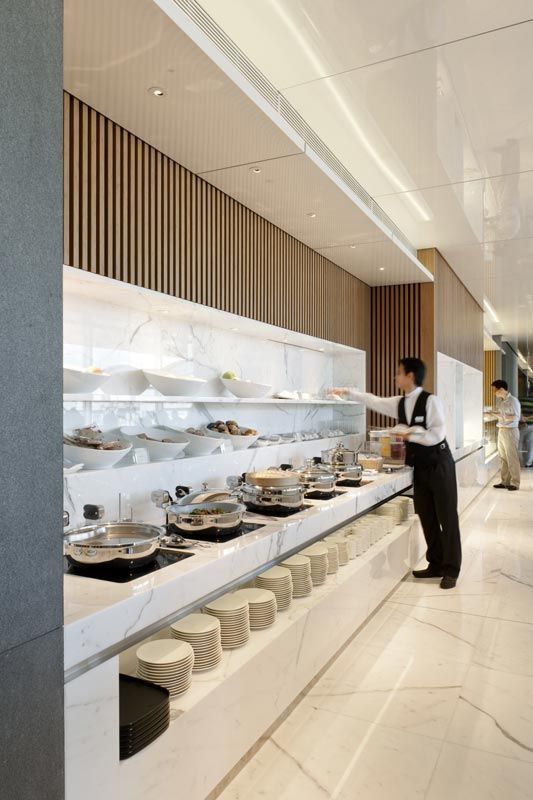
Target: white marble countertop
x,y
467,449
102,617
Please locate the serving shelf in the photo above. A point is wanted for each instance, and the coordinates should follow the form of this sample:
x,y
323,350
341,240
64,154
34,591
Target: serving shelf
x,y
146,398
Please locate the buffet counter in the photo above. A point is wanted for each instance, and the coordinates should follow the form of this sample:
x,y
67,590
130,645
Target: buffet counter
x,y
103,618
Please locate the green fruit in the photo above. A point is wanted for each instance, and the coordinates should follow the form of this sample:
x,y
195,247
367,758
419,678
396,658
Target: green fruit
x,y
229,376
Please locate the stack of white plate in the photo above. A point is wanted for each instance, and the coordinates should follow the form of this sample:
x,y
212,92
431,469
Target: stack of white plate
x,y
318,555
353,544
232,612
333,557
168,663
397,508
300,568
262,607
202,632
342,547
279,581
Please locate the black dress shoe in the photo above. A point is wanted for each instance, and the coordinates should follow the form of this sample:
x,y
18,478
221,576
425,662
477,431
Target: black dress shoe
x,y
500,486
448,582
428,572
512,488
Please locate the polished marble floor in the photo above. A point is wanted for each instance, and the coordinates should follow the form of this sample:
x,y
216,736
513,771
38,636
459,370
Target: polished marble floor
x,y
434,697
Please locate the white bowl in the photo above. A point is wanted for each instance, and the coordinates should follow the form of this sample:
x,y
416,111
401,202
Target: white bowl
x,y
174,385
238,442
77,381
94,459
125,380
197,445
246,389
158,451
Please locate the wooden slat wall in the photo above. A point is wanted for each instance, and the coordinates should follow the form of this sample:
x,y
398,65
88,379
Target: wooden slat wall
x,y
489,375
135,215
458,318
396,331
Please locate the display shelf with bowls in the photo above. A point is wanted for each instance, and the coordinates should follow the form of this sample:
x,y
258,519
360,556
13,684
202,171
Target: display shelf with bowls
x,y
158,399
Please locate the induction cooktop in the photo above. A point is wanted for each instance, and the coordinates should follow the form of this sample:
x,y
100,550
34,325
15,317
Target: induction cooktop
x,y
165,558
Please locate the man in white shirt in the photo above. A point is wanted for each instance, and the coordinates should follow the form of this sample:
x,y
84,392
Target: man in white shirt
x,y
508,415
435,485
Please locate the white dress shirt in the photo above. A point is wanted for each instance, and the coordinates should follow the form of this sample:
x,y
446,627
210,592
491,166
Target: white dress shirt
x,y
508,407
435,419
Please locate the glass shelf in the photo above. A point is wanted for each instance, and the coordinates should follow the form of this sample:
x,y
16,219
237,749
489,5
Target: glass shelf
x,y
145,398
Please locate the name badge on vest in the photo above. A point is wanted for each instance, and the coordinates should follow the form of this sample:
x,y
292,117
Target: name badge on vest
x,y
419,419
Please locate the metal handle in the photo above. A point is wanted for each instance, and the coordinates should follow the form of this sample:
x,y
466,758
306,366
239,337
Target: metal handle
x,y
66,519
234,481
182,491
160,497
92,512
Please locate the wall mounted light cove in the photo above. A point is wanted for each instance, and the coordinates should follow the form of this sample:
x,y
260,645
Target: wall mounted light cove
x,y
157,91
490,310
255,170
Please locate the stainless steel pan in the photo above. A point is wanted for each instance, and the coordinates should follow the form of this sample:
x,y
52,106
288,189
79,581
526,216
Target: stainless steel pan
x,y
122,545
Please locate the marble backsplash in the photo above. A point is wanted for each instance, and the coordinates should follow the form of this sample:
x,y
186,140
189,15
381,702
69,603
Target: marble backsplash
x,y
128,326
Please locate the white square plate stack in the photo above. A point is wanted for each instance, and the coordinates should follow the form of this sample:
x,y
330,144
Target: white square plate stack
x,y
202,632
234,617
342,547
262,607
168,663
279,581
300,567
333,557
318,555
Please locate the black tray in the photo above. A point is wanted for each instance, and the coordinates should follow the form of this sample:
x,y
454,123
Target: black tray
x,y
139,728
139,700
128,742
128,750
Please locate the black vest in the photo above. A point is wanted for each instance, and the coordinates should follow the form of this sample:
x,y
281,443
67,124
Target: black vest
x,y
419,455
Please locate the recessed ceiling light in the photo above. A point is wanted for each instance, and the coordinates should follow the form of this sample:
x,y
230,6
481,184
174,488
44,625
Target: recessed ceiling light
x,y
311,214
353,246
255,170
382,269
156,91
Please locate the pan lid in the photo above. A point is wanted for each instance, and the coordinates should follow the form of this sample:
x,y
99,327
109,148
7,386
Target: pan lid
x,y
272,477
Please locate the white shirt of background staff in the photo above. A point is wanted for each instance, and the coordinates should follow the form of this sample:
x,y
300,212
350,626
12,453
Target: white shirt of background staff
x,y
435,419
508,412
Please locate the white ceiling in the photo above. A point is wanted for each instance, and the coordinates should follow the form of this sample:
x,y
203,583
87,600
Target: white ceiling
x,y
115,50
427,103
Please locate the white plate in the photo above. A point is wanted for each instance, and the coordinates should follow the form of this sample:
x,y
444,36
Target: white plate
x,y
164,651
71,469
174,385
246,389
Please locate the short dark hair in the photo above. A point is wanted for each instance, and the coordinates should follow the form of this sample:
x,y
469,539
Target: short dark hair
x,y
416,366
500,385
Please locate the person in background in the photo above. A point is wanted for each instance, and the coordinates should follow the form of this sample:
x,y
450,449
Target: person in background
x,y
508,414
435,485
526,432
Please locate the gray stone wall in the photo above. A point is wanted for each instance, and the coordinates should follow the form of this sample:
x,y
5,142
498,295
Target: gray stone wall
x,y
31,218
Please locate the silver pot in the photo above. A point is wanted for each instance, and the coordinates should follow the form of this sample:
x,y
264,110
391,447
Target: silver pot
x,y
316,478
339,456
349,475
189,519
124,545
275,500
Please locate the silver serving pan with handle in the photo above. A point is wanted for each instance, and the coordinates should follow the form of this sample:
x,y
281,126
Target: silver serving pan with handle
x,y
126,545
192,519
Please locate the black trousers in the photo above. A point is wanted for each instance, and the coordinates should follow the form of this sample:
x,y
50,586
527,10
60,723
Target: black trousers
x,y
435,497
